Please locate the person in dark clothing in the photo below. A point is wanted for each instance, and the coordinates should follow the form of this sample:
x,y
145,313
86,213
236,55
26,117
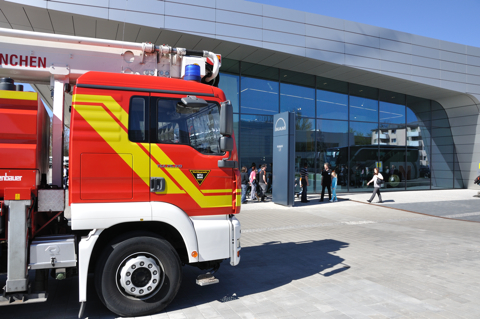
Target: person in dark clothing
x,y
263,182
304,176
244,176
326,181
65,176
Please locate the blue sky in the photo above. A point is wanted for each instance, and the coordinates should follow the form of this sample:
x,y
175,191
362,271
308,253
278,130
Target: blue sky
x,y
454,21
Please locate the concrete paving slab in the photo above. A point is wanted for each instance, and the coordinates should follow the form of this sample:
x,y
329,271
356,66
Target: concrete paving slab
x,y
347,259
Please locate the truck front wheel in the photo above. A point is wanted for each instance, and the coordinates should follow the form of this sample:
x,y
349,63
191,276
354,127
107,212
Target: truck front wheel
x,y
137,276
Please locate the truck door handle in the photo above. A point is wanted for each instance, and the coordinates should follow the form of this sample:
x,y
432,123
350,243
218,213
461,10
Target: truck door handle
x,y
157,184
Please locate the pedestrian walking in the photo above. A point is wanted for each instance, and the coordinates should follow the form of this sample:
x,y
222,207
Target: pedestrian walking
x,y
263,182
253,183
326,181
244,176
304,176
377,183
334,187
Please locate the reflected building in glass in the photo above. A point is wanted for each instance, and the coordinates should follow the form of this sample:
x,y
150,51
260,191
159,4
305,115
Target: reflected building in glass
x,y
353,128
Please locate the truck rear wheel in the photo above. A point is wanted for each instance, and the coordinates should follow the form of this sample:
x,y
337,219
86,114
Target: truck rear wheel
x,y
137,276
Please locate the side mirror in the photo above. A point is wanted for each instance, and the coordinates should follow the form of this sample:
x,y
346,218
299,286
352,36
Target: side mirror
x,y
193,101
226,119
226,144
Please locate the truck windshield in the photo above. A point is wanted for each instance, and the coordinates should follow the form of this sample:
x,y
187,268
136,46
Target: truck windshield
x,y
197,127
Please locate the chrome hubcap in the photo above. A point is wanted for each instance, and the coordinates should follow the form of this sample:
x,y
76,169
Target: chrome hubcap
x,y
140,276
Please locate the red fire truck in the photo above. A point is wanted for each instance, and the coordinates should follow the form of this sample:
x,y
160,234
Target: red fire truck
x,y
153,173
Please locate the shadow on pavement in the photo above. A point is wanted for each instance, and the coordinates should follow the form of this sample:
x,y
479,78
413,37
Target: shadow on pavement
x,y
262,268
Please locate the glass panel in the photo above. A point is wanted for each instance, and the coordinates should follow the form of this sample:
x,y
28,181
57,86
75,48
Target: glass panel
x,y
332,105
256,140
363,154
230,86
199,128
236,119
392,140
137,117
260,71
363,103
298,99
442,158
230,66
418,111
332,148
331,85
418,157
418,135
259,96
305,149
297,78
392,107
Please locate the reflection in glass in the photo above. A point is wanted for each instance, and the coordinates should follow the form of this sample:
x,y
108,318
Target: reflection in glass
x,y
418,135
236,119
392,107
259,96
305,148
256,140
363,109
229,85
363,154
297,99
332,105
332,147
260,71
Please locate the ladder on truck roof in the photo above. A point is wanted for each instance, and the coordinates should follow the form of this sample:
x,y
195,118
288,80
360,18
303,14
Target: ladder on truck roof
x,y
59,60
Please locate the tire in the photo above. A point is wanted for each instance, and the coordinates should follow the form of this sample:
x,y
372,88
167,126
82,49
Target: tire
x,y
138,275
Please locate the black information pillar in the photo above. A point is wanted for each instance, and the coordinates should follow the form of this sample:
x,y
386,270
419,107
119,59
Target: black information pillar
x,y
283,179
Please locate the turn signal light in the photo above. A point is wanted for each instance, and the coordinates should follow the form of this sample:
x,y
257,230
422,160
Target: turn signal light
x,y
194,254
238,253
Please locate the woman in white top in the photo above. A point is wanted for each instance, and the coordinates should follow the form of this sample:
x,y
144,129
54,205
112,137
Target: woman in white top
x,y
377,179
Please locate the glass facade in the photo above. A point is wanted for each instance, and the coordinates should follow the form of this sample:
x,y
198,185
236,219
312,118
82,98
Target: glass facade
x,y
352,127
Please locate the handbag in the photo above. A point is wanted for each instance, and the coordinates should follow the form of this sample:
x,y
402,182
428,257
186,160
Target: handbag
x,y
380,182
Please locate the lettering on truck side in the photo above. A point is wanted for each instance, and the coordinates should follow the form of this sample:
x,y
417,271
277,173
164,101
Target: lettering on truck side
x,y
7,178
20,60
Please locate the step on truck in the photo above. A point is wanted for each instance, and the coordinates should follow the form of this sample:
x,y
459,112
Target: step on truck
x,y
153,170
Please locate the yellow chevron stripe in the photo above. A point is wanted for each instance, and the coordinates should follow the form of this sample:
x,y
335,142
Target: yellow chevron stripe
x,y
117,138
210,191
190,188
18,95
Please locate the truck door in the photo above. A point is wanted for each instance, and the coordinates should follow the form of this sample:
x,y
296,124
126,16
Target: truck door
x,y
110,157
184,158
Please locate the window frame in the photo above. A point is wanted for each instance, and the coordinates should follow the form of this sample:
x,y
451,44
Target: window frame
x,y
147,135
154,124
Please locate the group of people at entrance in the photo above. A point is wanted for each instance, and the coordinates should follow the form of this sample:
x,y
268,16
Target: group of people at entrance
x,y
329,181
257,181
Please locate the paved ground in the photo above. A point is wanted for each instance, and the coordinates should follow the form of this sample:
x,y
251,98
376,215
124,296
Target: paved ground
x,y
332,260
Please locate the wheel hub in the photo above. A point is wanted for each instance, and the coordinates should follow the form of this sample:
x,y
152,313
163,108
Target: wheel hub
x,y
140,276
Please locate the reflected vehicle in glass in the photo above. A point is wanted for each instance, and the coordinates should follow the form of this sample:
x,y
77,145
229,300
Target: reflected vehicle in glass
x,y
364,158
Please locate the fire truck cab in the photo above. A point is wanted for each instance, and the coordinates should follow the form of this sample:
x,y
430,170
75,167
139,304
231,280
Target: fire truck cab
x,y
153,185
